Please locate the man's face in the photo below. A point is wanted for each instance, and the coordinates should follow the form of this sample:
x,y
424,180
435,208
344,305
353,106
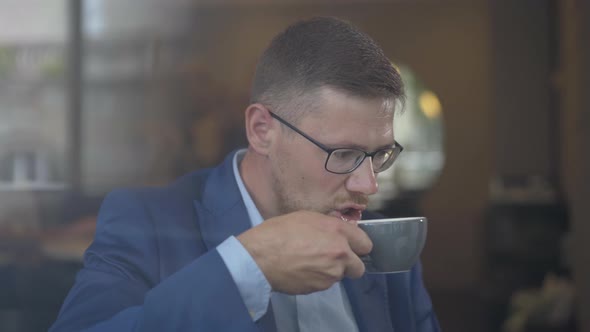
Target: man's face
x,y
299,178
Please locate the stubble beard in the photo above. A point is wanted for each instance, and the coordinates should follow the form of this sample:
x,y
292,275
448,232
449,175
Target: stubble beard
x,y
286,196
288,202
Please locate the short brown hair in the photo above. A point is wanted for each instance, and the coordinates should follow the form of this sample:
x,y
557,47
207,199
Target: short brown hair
x,y
323,52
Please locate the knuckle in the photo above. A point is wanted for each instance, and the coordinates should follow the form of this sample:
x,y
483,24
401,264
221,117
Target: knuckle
x,y
368,247
333,278
341,249
338,252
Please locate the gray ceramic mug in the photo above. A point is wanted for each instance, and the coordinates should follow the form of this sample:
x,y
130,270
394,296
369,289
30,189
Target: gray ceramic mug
x,y
397,243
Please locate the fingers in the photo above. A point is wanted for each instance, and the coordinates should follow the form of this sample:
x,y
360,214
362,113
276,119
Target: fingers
x,y
357,239
355,268
360,244
305,251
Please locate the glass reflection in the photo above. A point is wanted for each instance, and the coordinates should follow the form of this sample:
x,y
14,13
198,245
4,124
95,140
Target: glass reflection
x,y
419,128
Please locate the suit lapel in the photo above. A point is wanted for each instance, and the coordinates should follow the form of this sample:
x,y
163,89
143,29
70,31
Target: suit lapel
x,y
221,213
368,299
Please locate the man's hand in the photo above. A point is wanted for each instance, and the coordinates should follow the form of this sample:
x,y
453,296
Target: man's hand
x,y
305,252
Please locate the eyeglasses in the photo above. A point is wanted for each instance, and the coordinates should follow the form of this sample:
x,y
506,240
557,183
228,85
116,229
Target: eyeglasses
x,y
346,160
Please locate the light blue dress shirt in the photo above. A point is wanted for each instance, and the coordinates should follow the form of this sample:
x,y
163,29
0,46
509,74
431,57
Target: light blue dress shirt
x,y
325,311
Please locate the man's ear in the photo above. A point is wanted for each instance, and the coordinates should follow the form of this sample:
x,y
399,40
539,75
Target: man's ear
x,y
259,128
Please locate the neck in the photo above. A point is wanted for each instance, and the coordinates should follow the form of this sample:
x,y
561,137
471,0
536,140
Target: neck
x,y
255,172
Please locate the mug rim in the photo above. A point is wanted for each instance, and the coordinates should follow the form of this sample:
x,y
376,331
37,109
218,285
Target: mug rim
x,y
392,220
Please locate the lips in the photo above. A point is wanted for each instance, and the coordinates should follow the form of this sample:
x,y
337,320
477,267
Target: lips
x,y
349,212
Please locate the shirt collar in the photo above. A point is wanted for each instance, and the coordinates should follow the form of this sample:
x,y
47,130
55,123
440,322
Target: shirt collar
x,y
253,213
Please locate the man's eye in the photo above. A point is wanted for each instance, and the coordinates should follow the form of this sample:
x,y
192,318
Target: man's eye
x,y
347,155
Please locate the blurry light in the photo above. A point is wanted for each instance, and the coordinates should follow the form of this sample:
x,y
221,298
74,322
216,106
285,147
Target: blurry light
x,y
430,104
399,71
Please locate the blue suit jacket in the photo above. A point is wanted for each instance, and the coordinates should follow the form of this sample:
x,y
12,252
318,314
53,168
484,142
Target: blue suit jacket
x,y
153,267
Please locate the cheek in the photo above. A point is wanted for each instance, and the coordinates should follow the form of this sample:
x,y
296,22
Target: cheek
x,y
302,170
310,184
325,184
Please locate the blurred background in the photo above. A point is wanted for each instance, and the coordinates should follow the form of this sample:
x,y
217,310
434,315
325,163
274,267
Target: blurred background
x,y
99,94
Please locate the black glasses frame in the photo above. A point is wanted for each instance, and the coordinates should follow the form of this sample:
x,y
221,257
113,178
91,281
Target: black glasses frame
x,y
329,151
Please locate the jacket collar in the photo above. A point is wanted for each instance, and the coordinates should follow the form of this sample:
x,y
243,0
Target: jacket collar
x,y
222,214
221,210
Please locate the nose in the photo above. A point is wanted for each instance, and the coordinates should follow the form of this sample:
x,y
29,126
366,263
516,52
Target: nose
x,y
363,179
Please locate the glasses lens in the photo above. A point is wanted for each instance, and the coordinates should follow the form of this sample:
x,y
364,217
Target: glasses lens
x,y
344,160
382,160
385,158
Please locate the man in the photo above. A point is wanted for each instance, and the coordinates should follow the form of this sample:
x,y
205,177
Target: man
x,y
267,241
